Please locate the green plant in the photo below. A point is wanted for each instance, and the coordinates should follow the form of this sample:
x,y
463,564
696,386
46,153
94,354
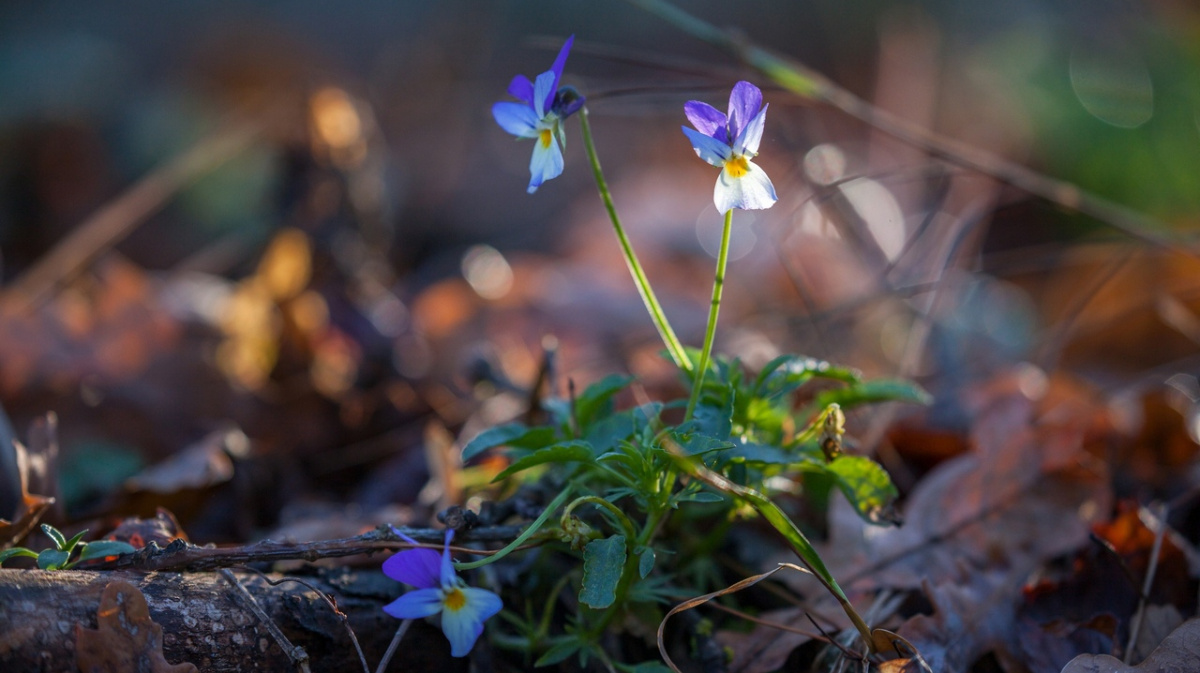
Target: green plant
x,y
60,556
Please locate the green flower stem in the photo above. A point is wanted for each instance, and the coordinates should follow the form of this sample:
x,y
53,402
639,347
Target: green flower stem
x,y
525,534
713,310
674,346
626,524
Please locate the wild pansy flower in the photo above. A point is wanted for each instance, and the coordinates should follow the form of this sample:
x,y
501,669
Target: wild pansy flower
x,y
539,116
439,589
730,142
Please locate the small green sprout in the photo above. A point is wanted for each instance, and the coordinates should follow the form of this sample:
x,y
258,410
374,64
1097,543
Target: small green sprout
x,y
59,557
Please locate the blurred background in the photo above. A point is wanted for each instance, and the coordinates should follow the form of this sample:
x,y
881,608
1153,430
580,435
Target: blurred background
x,y
280,251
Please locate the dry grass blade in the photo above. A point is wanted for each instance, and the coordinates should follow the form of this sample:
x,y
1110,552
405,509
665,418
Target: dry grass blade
x,y
701,600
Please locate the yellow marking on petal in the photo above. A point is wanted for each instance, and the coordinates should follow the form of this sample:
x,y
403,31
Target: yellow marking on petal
x,y
737,166
454,600
545,138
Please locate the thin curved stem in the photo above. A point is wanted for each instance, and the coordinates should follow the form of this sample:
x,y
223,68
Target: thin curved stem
x,y
713,309
674,346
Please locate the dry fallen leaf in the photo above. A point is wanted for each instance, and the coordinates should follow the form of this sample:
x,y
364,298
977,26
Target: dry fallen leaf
x,y
127,640
1178,653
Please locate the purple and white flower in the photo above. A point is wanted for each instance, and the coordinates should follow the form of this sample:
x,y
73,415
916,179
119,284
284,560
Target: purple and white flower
x,y
539,115
438,589
729,142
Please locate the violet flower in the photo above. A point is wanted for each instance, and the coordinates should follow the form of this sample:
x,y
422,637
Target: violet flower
x,y
439,590
539,115
730,142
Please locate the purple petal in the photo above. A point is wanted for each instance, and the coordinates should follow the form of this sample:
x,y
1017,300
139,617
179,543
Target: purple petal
x,y
747,142
707,119
708,148
559,63
543,93
416,604
516,118
744,102
417,567
521,89
449,578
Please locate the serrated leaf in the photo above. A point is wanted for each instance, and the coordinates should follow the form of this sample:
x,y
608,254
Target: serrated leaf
x,y
646,559
511,434
608,432
714,415
566,452
60,541
52,559
696,443
103,548
603,561
865,392
16,551
867,486
558,653
597,396
786,373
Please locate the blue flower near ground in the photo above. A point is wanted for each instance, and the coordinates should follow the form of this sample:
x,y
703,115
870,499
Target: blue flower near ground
x,y
730,142
539,115
438,589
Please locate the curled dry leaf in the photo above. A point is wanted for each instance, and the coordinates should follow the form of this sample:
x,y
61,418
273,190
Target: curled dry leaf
x,y
1179,652
126,640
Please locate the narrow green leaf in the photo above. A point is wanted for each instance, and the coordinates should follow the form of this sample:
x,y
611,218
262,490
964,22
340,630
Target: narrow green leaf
x,y
646,559
644,667
512,434
594,399
15,552
867,486
559,652
103,548
702,496
69,546
559,453
60,541
603,561
52,559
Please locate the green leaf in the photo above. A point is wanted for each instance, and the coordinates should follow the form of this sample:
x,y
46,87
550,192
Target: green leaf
x,y
559,652
512,434
696,443
644,667
760,454
597,396
608,432
645,561
786,373
16,551
52,559
867,486
559,453
103,548
69,546
714,414
603,561
60,541
883,390
702,496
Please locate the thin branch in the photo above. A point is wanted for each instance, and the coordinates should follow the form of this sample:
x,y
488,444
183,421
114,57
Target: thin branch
x,y
297,655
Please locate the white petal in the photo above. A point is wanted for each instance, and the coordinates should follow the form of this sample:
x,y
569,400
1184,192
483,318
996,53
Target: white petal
x,y
707,148
751,191
747,142
546,163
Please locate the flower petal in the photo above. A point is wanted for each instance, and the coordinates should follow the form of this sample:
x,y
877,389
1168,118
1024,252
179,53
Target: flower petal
x,y
559,63
543,93
521,89
707,119
449,577
747,142
752,191
416,604
546,163
418,567
708,148
463,626
516,118
744,102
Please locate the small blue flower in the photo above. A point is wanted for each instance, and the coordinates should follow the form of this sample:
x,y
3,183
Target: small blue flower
x,y
539,116
730,142
464,609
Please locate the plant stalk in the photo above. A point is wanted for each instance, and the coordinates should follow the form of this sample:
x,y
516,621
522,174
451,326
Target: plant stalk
x,y
713,309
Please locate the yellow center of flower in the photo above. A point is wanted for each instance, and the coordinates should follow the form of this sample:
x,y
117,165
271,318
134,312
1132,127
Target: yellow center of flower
x,y
737,166
545,138
454,599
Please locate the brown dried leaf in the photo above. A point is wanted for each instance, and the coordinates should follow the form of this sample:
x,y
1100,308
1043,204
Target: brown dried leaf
x,y
127,640
1179,652
31,508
